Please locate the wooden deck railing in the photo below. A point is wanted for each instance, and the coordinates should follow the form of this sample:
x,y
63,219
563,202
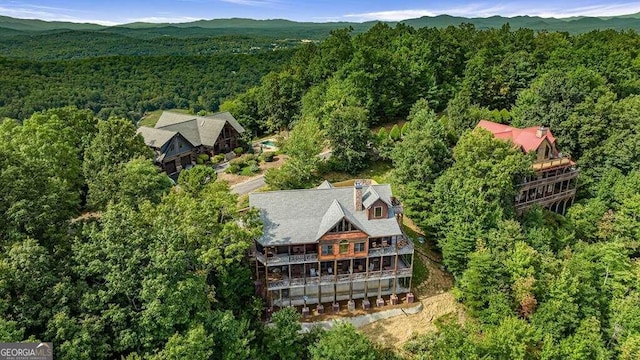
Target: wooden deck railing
x,y
341,278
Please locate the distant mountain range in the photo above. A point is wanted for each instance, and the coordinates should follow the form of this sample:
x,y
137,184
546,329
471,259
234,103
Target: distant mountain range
x,y
278,27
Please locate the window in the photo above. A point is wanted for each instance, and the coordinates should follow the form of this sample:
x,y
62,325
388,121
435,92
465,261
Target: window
x,y
359,247
344,247
377,211
327,249
342,226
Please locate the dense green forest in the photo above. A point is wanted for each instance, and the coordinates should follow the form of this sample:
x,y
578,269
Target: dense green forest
x,y
536,286
129,86
41,40
75,45
104,257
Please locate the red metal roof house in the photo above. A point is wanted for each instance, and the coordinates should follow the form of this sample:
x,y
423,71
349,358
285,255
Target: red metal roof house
x,y
554,184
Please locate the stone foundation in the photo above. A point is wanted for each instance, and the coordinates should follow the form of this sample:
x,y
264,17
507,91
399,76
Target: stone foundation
x,y
410,298
366,304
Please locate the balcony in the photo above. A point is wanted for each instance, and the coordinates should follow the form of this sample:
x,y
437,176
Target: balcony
x,y
404,246
284,259
552,179
547,200
285,282
547,164
389,250
329,297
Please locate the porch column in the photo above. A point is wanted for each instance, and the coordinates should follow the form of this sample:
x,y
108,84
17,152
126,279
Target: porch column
x,y
411,277
350,279
266,273
395,270
319,272
335,280
290,297
366,277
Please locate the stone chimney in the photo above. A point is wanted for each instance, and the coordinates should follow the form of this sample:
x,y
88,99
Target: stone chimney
x,y
357,195
541,132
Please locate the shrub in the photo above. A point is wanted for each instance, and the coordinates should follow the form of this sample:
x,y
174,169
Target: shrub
x,y
505,116
204,157
239,162
199,161
268,156
217,159
251,157
233,169
244,160
250,170
395,133
405,129
382,133
239,150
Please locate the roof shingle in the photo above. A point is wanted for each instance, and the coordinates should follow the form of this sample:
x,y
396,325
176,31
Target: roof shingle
x,y
303,216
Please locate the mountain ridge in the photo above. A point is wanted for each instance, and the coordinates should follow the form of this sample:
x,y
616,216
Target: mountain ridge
x,y
573,24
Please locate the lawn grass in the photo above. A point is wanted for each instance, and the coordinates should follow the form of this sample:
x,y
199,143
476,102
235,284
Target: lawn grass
x,y
243,201
151,118
380,171
420,271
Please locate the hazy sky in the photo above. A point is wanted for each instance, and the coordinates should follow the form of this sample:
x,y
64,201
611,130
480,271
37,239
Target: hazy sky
x,y
124,11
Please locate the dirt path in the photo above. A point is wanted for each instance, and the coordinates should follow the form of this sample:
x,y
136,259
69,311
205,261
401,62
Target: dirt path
x,y
394,332
434,295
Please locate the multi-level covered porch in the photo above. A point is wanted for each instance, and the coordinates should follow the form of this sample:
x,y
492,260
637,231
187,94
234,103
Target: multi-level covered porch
x,y
308,253
553,186
339,279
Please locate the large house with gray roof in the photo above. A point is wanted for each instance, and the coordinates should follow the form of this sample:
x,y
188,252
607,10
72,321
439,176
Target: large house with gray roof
x,y
332,244
178,138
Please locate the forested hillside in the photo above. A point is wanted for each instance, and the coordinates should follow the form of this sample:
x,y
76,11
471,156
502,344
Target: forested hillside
x,y
102,256
536,286
129,86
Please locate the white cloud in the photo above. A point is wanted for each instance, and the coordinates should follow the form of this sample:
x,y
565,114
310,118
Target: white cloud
x,y
484,9
164,19
46,13
594,10
253,2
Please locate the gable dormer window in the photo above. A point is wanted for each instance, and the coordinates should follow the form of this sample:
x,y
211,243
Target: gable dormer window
x,y
377,212
343,226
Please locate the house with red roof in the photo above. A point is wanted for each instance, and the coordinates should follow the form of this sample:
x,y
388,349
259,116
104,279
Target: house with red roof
x,y
554,182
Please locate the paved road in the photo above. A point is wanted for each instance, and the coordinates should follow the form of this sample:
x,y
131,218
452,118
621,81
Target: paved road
x,y
257,182
248,186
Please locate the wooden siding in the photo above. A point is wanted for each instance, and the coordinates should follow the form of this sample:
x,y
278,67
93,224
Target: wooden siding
x,y
227,140
371,210
334,241
176,147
